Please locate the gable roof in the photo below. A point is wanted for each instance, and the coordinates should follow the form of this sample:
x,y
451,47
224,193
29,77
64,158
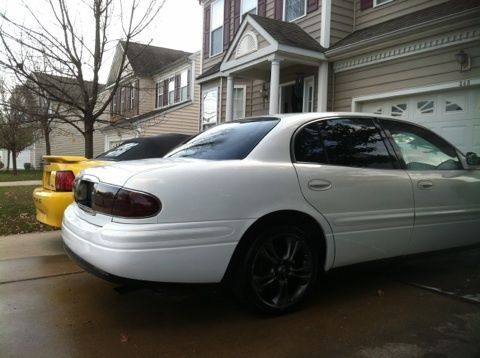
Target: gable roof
x,y
433,13
288,33
59,85
146,59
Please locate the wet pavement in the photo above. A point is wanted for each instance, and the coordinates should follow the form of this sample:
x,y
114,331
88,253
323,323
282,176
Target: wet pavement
x,y
417,307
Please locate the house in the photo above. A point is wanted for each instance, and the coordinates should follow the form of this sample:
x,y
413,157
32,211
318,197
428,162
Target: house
x,y
417,60
157,94
54,115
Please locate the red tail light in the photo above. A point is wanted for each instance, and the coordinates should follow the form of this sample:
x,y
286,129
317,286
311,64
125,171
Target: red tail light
x,y
111,200
64,180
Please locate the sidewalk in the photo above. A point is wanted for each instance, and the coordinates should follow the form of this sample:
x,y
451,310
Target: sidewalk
x,y
21,183
31,244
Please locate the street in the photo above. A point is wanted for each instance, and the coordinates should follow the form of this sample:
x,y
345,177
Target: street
x,y
424,306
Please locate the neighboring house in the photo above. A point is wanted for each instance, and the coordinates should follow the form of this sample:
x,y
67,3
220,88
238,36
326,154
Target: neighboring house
x,y
64,138
418,60
157,95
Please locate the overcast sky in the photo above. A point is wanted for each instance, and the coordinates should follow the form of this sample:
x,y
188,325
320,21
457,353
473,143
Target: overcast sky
x,y
177,26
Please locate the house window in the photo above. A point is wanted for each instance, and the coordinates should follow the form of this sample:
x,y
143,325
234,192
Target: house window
x,y
184,90
399,110
171,90
209,108
132,96
216,28
159,90
380,2
238,102
294,9
425,107
122,100
249,7
308,94
114,104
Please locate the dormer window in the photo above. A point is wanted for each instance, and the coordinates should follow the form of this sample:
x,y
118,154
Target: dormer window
x,y
249,7
294,9
216,28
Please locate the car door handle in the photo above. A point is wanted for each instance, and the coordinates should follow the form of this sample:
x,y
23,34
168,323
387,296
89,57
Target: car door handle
x,y
319,184
424,184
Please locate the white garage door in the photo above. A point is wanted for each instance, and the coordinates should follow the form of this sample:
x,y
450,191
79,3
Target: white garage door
x,y
454,115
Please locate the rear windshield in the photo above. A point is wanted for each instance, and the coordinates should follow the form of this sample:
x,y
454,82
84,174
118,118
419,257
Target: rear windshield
x,y
234,140
116,152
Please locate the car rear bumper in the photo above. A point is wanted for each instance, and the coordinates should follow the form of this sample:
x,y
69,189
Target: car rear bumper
x,y
50,205
180,252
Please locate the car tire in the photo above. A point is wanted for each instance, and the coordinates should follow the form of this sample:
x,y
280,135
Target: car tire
x,y
278,271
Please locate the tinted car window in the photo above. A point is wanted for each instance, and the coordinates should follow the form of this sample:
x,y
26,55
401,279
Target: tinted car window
x,y
422,149
353,142
234,140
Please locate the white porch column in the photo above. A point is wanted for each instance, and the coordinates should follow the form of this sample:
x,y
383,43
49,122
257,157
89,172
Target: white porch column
x,y
274,87
229,105
322,89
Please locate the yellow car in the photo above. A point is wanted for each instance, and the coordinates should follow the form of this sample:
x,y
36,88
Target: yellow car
x,y
59,172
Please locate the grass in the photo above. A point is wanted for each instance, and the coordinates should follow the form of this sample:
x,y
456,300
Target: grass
x,y
17,211
21,175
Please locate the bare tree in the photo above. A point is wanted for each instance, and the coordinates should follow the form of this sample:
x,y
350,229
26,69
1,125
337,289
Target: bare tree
x,y
70,63
17,131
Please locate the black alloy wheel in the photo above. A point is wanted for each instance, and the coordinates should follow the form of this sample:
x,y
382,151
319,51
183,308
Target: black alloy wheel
x,y
280,269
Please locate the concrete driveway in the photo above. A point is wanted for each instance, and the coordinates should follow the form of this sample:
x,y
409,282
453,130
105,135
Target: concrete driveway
x,y
416,307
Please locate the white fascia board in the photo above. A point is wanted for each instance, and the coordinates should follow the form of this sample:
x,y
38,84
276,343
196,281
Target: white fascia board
x,y
248,59
302,52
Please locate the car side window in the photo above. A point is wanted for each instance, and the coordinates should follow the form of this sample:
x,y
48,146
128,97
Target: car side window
x,y
353,142
422,149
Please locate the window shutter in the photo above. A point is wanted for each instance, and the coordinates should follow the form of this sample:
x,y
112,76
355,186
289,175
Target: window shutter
x,y
236,14
312,5
165,92
262,8
226,24
119,100
177,88
206,31
278,10
188,83
111,106
128,94
156,95
365,4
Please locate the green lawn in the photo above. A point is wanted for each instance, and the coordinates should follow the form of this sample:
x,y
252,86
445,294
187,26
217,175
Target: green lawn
x,y
21,175
17,211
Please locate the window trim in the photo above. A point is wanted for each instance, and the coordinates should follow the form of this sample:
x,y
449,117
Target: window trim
x,y
211,30
375,4
298,18
397,161
158,80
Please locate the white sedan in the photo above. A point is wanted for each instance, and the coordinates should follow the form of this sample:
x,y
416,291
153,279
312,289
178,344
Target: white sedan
x,y
268,204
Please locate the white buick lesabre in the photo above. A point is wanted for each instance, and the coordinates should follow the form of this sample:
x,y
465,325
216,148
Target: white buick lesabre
x,y
269,203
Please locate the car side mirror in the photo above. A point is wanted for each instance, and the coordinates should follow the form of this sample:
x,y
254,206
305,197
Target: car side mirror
x,y
472,159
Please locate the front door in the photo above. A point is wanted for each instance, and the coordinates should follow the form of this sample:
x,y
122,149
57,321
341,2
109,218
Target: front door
x,y
347,174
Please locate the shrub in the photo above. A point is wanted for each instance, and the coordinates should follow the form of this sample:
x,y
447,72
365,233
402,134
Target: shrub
x,y
27,166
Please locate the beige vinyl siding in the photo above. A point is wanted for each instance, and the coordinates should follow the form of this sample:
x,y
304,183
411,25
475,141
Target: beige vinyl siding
x,y
270,13
341,21
146,99
421,70
257,105
66,140
311,23
388,11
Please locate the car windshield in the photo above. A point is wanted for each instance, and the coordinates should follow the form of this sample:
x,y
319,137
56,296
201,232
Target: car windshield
x,y
234,140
